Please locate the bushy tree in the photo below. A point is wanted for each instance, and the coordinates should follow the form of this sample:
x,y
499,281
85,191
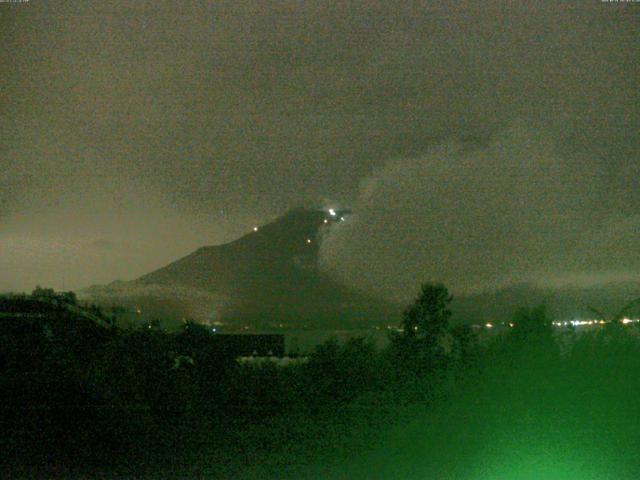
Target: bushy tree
x,y
532,339
532,325
428,317
68,297
465,344
45,293
419,348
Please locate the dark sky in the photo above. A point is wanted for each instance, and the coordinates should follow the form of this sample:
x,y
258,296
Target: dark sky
x,y
479,143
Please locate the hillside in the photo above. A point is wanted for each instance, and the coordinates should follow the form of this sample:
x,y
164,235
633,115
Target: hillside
x,y
267,278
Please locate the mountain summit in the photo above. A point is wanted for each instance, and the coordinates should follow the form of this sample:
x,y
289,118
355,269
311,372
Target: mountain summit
x,y
267,278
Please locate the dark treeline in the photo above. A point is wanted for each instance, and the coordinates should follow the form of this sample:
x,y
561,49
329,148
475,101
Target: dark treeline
x,y
84,398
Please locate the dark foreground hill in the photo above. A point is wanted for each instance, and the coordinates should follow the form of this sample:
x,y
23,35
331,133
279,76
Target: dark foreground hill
x,y
268,278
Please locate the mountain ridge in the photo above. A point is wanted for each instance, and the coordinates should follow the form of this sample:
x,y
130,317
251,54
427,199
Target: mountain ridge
x,y
270,277
266,278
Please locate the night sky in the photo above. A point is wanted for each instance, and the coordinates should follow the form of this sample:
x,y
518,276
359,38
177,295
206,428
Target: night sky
x,y
478,143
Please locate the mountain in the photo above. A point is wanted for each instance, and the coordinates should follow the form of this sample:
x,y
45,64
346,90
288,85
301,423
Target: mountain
x,y
270,277
267,278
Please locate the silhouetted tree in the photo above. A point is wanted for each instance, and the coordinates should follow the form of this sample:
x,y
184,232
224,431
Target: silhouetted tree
x,y
532,337
532,324
68,297
419,348
39,292
465,343
428,317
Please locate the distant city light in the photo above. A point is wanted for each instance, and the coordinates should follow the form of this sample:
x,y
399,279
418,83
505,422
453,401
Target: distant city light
x,y
326,221
255,229
581,323
342,219
567,323
332,212
308,240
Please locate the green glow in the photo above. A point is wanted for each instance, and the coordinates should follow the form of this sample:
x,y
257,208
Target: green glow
x,y
539,455
536,468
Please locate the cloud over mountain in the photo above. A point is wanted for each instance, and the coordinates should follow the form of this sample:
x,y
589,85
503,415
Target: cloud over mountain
x,y
482,216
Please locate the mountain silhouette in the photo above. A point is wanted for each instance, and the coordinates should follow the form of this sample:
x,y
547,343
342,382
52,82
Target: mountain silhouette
x,y
267,278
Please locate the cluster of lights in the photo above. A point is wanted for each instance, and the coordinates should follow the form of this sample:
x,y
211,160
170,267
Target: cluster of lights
x,y
574,323
332,212
580,323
